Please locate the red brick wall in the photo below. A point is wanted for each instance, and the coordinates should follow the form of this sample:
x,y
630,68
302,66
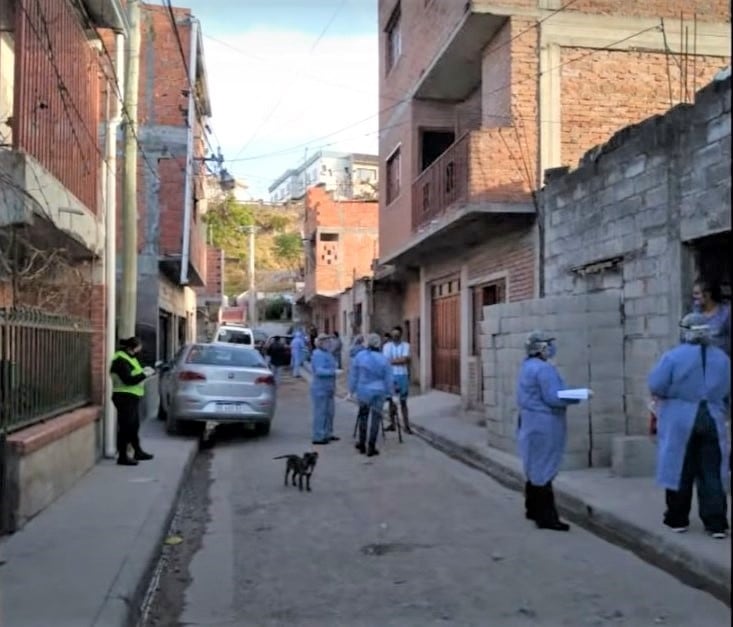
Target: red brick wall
x,y
634,86
511,253
163,101
100,359
356,248
706,10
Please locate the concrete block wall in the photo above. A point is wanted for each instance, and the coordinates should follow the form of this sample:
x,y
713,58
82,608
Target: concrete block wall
x,y
619,224
590,354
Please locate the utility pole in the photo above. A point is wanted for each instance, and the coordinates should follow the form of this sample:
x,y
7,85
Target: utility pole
x,y
251,271
128,309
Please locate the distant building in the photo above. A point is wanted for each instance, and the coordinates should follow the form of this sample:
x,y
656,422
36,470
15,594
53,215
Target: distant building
x,y
341,246
347,176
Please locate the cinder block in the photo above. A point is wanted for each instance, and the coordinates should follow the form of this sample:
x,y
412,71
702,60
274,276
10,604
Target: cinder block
x,y
490,326
602,302
718,129
658,326
575,460
600,457
633,456
635,167
609,420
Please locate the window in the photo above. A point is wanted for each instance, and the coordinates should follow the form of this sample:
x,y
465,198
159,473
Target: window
x,y
484,296
365,175
394,38
393,176
329,237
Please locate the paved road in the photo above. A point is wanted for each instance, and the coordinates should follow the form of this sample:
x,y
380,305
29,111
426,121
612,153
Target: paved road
x,y
409,538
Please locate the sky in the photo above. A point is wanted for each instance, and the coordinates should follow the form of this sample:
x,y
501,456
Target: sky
x,y
288,75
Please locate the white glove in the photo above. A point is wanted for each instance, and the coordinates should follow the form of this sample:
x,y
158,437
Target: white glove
x,y
148,371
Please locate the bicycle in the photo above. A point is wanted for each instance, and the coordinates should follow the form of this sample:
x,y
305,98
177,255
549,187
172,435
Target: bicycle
x,y
392,413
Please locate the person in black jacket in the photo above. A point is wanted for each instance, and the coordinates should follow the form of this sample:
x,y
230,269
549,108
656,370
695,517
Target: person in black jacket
x,y
279,356
128,388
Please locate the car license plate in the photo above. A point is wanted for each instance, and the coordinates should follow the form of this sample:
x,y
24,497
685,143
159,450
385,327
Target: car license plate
x,y
233,408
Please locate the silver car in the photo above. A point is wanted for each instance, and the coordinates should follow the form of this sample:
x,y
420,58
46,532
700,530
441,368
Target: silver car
x,y
217,383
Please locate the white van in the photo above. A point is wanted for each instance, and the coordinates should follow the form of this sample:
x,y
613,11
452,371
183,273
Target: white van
x,y
235,334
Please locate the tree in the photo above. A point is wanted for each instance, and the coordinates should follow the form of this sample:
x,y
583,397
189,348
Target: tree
x,y
289,249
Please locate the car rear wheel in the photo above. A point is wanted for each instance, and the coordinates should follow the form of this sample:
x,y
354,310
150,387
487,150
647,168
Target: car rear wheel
x,y
263,428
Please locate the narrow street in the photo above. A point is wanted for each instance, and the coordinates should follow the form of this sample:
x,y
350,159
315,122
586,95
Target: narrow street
x,y
409,538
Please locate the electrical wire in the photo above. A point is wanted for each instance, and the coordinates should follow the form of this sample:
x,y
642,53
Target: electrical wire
x,y
504,87
167,4
285,90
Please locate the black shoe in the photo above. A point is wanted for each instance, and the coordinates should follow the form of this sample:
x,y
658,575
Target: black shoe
x,y
372,452
361,448
390,428
126,461
554,525
321,441
407,430
142,456
334,438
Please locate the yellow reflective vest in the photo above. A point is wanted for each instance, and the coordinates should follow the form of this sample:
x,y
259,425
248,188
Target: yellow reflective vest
x,y
118,387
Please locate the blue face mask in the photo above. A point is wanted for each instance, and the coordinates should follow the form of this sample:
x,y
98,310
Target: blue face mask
x,y
551,350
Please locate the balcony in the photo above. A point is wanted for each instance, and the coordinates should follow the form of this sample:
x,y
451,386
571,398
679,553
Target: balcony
x,y
32,196
473,189
476,173
172,258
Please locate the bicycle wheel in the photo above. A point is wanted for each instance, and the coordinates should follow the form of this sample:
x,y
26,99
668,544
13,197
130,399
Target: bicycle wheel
x,y
394,419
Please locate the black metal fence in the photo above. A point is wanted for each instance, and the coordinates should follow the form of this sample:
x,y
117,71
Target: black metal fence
x,y
45,366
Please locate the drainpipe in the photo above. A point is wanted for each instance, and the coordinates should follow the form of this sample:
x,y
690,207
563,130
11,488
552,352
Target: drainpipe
x,y
188,188
110,254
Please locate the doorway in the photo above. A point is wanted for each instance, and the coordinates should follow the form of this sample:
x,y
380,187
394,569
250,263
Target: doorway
x,y
433,144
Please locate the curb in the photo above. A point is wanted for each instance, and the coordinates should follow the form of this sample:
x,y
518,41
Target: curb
x,y
123,603
654,549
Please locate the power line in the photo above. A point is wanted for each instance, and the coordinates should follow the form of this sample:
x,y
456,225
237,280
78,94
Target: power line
x,y
402,100
533,77
284,92
186,66
115,83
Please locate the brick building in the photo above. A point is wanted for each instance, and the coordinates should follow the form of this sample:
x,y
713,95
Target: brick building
x,y
477,100
341,246
54,89
628,231
172,261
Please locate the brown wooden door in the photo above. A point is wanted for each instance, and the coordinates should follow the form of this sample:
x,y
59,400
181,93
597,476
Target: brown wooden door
x,y
446,359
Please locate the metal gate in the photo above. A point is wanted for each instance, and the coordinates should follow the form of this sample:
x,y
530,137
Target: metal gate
x,y
446,355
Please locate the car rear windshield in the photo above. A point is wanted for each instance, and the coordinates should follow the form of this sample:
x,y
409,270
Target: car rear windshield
x,y
209,355
234,336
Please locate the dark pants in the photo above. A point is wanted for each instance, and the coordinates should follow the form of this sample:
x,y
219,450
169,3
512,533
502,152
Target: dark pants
x,y
702,467
539,503
128,423
375,409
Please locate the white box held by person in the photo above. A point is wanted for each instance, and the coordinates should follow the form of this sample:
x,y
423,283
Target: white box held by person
x,y
577,394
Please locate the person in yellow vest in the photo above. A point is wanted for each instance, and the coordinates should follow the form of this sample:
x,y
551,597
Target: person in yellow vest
x,y
128,388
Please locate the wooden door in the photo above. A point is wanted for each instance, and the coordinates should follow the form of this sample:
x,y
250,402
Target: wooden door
x,y
446,353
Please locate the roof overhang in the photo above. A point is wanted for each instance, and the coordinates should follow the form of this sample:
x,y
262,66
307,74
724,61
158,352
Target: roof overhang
x,y
108,14
455,72
201,74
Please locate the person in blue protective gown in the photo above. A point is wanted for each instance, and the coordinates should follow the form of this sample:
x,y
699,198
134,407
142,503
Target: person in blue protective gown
x,y
692,385
323,389
370,380
297,353
357,345
542,429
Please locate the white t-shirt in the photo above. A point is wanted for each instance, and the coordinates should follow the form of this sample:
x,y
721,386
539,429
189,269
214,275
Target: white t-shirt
x,y
397,351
